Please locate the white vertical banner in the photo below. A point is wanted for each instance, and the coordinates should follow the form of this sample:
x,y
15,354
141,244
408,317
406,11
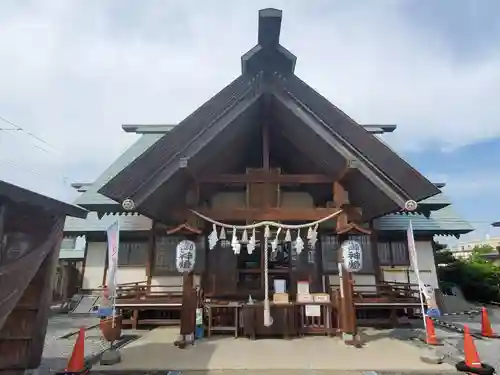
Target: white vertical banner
x,y
113,234
412,250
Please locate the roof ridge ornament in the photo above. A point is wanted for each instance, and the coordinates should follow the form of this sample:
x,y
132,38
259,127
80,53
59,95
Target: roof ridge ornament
x,y
411,205
268,55
269,27
128,204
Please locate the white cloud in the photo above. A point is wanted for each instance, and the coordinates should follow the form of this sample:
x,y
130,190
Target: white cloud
x,y
468,184
73,72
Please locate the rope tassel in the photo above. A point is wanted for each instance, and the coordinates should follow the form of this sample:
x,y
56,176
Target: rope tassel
x,y
274,244
288,236
212,238
314,237
309,233
299,243
222,234
267,232
244,237
251,243
235,243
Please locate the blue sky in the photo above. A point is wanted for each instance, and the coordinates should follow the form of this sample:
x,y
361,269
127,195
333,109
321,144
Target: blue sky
x,y
472,184
73,71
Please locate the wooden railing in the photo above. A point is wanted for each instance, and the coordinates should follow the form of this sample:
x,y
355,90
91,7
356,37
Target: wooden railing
x,y
381,304
150,304
383,292
143,294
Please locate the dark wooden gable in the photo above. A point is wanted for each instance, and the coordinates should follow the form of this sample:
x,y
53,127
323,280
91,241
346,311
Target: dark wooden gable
x,y
158,177
31,230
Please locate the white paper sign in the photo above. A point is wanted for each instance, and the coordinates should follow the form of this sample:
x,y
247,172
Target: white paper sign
x,y
313,310
279,286
302,287
199,317
185,256
341,267
352,254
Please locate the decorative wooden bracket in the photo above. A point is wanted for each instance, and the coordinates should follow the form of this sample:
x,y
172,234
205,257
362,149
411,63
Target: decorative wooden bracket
x,y
184,228
353,227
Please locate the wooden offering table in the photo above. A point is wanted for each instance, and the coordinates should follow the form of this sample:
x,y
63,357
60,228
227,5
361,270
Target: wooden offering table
x,y
318,321
283,315
223,317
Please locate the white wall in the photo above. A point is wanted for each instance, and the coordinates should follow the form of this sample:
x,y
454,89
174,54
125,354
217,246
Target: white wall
x,y
171,283
94,271
364,282
94,268
131,274
426,265
94,265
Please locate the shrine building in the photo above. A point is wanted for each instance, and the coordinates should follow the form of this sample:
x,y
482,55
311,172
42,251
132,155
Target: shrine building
x,y
267,147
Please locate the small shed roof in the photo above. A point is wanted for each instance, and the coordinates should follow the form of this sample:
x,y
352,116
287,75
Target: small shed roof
x,y
91,199
18,194
445,221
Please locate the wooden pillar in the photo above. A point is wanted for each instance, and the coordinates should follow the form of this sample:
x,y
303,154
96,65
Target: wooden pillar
x,y
266,163
84,263
43,280
3,214
106,265
347,308
188,309
150,255
265,147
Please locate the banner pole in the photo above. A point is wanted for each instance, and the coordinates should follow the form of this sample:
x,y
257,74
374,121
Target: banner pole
x,y
413,258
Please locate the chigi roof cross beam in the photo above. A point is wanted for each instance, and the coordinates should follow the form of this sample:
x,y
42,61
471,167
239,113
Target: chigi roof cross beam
x,y
268,55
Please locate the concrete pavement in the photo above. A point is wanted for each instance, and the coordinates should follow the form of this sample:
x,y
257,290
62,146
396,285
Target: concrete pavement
x,y
383,352
60,339
488,349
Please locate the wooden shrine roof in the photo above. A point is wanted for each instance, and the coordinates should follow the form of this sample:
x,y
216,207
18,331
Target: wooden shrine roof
x,y
322,132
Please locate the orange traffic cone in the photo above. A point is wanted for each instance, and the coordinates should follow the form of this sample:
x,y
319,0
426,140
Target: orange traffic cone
x,y
471,363
430,332
76,364
470,351
486,329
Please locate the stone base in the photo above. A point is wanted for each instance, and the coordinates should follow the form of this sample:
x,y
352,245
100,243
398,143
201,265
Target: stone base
x,y
431,356
347,336
110,357
354,340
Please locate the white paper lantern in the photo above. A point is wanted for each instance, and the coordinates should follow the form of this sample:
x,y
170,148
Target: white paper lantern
x,y
185,256
352,254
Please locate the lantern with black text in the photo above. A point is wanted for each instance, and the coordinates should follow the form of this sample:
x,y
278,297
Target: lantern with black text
x,y
352,255
185,256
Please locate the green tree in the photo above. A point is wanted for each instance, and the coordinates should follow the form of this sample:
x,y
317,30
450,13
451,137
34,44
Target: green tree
x,y
444,257
478,253
477,277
